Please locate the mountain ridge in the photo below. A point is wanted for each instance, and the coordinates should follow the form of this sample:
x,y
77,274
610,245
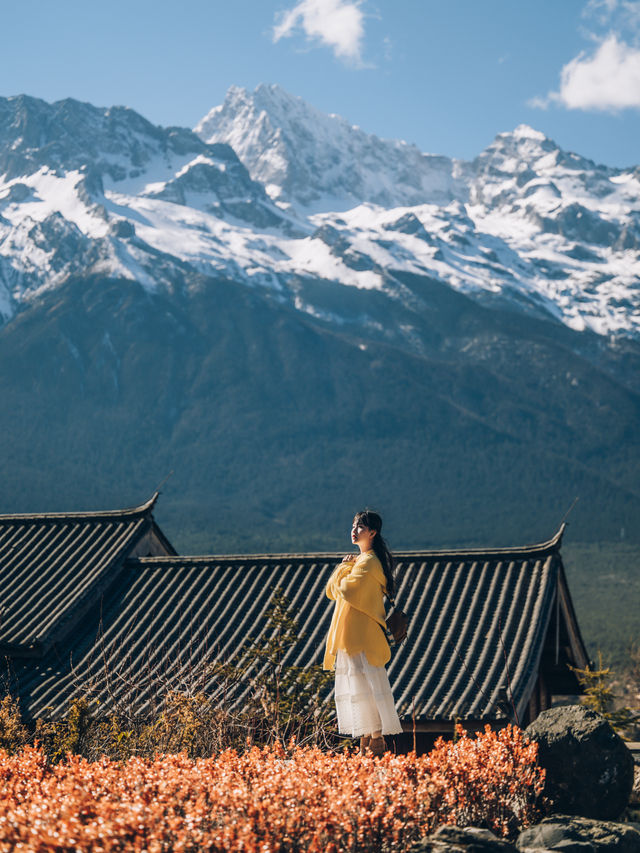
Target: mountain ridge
x,y
525,231
525,223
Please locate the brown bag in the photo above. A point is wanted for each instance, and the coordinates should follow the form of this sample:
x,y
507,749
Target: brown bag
x,y
397,624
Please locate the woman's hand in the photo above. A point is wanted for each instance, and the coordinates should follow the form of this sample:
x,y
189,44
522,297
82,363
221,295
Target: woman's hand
x,y
343,568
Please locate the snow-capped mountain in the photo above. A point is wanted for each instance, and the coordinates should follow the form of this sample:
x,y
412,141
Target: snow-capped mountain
x,y
270,193
321,162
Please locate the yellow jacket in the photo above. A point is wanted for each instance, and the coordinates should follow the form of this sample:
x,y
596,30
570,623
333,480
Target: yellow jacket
x,y
358,620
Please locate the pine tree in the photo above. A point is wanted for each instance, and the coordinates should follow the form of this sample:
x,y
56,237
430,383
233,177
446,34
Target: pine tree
x,y
599,695
292,698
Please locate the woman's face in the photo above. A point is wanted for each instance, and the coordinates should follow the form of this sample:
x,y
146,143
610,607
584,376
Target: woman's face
x,y
362,536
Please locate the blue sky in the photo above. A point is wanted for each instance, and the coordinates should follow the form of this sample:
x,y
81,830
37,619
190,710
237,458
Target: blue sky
x,y
445,75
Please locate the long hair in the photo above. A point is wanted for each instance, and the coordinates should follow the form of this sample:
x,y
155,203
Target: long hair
x,y
372,521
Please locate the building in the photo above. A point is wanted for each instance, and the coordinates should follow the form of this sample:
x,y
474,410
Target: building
x,y
101,602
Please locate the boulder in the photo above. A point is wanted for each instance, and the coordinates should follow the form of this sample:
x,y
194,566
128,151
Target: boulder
x,y
589,768
458,839
579,834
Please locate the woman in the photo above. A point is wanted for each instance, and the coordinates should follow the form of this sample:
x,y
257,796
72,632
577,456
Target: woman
x,y
357,644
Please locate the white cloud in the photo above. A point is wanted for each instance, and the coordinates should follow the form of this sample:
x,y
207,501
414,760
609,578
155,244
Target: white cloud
x,y
338,24
607,76
538,102
609,79
615,14
602,9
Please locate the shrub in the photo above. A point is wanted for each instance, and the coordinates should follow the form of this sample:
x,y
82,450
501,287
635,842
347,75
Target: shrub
x,y
491,781
13,733
600,697
74,734
254,697
266,798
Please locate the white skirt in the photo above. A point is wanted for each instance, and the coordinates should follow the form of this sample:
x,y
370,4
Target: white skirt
x,y
364,702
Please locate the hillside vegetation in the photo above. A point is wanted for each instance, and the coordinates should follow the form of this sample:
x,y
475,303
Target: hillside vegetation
x,y
604,580
279,427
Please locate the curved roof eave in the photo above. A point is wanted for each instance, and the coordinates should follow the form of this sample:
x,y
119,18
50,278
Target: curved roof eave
x,y
129,512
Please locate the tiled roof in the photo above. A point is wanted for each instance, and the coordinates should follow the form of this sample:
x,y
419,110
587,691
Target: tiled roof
x,y
477,617
55,566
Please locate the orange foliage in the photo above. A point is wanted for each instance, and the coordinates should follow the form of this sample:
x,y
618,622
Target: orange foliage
x,y
491,781
265,799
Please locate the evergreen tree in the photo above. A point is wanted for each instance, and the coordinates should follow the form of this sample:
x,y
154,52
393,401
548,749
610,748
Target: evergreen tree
x,y
600,697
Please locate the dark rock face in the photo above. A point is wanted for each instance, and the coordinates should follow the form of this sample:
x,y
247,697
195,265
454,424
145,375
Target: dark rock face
x,y
589,768
633,811
579,834
456,839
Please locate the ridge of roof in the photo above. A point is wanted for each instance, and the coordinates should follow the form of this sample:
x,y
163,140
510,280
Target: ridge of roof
x,y
540,549
129,512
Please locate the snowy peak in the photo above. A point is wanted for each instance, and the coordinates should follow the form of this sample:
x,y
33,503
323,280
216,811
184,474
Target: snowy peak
x,y
529,151
528,176
321,162
255,137
70,134
525,131
528,141
523,149
116,145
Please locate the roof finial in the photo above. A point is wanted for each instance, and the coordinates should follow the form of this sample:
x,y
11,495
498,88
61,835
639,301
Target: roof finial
x,y
557,539
563,519
170,474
